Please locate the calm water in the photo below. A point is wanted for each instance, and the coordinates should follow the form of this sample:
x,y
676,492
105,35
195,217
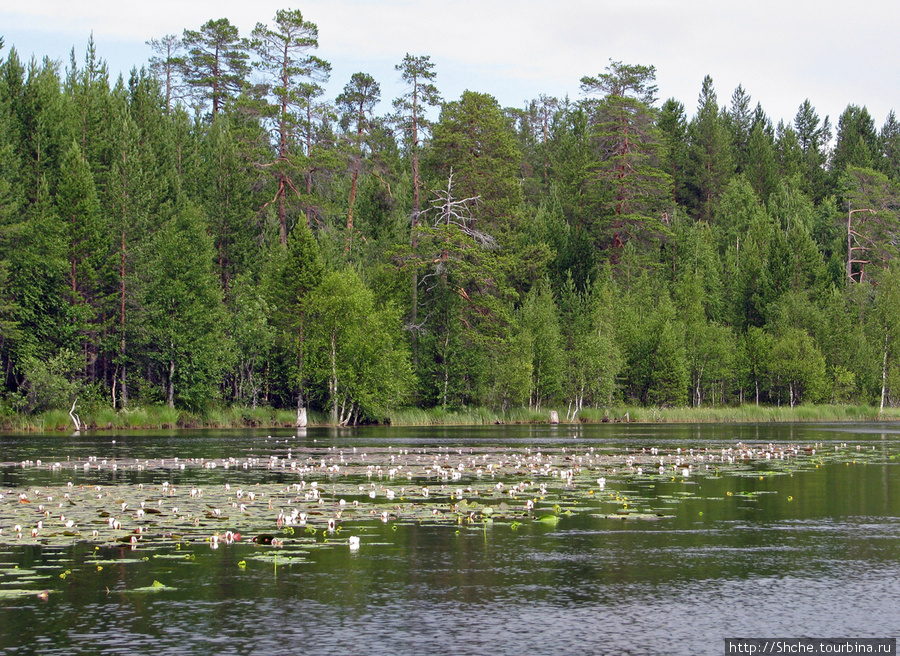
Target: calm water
x,y
814,553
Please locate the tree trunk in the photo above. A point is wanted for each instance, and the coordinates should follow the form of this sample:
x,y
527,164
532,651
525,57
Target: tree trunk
x,y
302,419
333,383
414,241
446,370
282,212
124,390
350,210
170,395
301,406
884,365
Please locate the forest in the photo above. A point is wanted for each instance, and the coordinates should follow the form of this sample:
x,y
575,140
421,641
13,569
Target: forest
x,y
214,232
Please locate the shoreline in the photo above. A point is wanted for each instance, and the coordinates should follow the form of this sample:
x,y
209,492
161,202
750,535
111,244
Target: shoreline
x,y
164,418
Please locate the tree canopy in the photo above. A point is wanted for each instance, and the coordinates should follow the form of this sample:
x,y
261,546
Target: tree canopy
x,y
213,229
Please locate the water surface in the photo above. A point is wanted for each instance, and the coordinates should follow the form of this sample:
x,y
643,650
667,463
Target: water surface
x,y
806,551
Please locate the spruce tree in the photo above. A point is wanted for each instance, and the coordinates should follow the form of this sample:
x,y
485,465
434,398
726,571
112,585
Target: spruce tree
x,y
711,162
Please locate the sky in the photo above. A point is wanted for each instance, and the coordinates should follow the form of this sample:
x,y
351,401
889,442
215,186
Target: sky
x,y
832,52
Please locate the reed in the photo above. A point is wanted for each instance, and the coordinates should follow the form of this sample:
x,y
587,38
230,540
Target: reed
x,y
55,420
163,417
747,413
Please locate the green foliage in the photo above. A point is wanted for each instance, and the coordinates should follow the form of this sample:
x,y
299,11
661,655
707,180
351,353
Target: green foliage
x,y
634,189
567,254
812,140
216,64
887,330
538,322
857,140
183,316
593,356
52,384
473,143
656,371
292,274
798,368
710,158
253,335
354,350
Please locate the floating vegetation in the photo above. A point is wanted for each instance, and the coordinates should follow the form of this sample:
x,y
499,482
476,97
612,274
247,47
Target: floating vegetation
x,y
155,587
23,592
299,498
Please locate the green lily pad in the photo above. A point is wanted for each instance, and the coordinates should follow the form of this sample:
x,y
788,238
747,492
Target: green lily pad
x,y
155,587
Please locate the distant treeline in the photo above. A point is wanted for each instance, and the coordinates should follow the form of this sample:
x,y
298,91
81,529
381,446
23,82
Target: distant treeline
x,y
214,231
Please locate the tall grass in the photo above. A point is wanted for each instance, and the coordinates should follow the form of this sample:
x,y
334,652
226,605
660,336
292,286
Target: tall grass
x,y
471,416
163,417
747,413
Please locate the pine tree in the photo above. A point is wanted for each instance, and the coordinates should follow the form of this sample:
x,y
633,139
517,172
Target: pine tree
x,y
628,146
418,74
538,317
167,65
761,169
889,146
293,75
740,122
356,103
673,128
79,213
216,64
128,202
789,153
857,141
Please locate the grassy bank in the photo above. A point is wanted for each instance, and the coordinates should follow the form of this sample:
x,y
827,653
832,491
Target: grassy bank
x,y
155,417
163,417
747,413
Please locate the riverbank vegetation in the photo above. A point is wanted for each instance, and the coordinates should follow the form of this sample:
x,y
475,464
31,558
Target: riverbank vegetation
x,y
210,241
162,417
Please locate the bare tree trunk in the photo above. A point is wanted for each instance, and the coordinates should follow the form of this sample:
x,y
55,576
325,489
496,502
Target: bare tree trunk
x,y
884,364
333,383
170,395
76,420
301,407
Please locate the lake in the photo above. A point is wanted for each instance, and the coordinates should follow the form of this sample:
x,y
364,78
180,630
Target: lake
x,y
595,539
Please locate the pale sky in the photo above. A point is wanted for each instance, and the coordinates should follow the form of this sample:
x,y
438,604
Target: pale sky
x,y
833,52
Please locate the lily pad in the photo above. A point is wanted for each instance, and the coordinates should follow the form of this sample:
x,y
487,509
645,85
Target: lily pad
x,y
155,587
12,594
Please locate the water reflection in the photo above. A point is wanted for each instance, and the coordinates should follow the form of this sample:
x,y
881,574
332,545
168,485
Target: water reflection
x,y
809,554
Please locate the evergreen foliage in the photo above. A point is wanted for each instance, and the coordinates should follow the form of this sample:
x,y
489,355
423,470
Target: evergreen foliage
x,y
197,235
